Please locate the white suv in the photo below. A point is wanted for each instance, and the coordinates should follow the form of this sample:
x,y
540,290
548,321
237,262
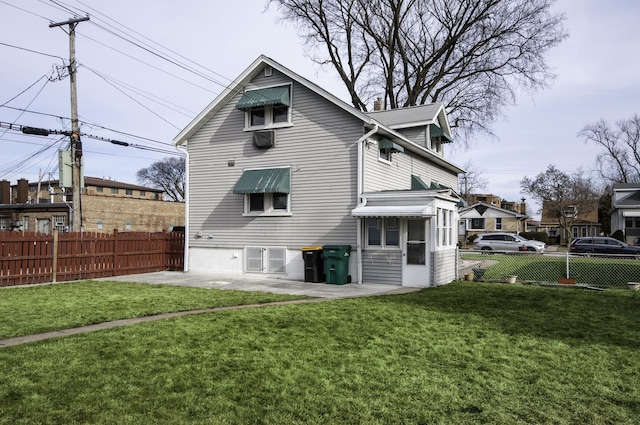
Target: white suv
x,y
507,242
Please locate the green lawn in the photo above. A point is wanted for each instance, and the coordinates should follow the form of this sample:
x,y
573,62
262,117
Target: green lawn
x,y
26,311
464,353
602,272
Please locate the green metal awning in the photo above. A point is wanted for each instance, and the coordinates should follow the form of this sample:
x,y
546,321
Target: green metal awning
x,y
262,97
437,133
388,144
418,184
267,180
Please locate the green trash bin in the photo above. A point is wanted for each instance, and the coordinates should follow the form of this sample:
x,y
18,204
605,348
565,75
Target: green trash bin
x,y
336,263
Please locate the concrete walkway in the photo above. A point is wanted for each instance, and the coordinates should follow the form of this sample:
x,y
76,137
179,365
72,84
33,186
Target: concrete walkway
x,y
316,291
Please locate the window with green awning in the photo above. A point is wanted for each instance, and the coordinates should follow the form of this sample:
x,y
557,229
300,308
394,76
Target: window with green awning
x,y
263,97
266,180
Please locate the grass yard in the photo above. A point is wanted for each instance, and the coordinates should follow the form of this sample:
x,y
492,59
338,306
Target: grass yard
x,y
602,272
464,353
26,311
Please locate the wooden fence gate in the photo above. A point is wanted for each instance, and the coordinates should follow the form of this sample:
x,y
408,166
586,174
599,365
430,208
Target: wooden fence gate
x,y
27,258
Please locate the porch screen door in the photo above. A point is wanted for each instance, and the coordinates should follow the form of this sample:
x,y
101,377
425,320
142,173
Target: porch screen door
x,y
416,246
415,267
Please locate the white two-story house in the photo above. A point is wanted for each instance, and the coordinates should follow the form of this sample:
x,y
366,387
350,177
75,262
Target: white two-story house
x,y
276,163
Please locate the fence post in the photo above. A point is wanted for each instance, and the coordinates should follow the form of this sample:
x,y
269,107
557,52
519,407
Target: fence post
x,y
567,275
115,252
54,274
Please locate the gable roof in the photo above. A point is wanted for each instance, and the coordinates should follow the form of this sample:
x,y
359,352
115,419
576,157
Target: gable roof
x,y
481,207
626,195
413,116
239,84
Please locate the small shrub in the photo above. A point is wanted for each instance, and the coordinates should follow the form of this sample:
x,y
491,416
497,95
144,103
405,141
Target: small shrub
x,y
536,236
472,238
619,235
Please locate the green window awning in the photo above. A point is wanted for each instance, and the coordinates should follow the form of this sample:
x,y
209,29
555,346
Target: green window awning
x,y
388,144
418,184
267,180
262,97
439,134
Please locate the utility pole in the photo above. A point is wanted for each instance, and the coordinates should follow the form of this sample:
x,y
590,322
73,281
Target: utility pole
x,y
76,144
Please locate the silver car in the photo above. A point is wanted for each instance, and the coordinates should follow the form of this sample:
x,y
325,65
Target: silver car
x,y
507,242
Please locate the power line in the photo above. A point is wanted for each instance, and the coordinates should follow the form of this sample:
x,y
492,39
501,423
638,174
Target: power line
x,y
46,132
149,96
89,123
25,10
148,64
135,100
172,60
30,50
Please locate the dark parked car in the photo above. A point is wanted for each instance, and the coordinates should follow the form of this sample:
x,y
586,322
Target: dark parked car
x,y
603,245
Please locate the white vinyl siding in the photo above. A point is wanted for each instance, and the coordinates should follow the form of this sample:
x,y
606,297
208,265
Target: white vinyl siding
x,y
323,178
382,266
382,175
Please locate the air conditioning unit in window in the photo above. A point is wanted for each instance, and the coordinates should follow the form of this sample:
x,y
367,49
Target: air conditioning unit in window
x,y
264,139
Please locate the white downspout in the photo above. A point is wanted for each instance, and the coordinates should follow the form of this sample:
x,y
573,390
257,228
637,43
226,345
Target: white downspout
x,y
361,202
186,209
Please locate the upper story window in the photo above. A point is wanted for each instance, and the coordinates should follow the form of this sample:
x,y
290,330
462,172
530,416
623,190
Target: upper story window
x,y
128,191
266,108
387,148
438,137
114,190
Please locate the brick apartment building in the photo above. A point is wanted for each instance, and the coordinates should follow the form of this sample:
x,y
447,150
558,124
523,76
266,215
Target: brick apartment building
x,y
106,205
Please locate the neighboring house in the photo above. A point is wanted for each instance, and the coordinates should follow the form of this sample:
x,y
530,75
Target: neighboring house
x,y
106,205
581,221
625,214
276,164
496,201
485,218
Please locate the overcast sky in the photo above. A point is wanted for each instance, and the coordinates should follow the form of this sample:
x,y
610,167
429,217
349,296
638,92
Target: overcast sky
x,y
147,100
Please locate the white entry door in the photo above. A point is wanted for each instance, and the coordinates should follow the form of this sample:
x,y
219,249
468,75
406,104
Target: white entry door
x,y
415,254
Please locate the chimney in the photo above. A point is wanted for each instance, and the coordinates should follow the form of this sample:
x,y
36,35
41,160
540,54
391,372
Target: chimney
x,y
378,104
22,191
5,192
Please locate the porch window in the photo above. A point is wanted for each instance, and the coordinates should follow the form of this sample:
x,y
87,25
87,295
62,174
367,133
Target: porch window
x,y
444,227
383,232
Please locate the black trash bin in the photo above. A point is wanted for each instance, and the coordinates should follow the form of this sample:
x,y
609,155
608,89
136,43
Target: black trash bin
x,y
313,264
336,263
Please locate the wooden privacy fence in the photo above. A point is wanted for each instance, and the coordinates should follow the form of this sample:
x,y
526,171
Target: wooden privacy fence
x,y
27,258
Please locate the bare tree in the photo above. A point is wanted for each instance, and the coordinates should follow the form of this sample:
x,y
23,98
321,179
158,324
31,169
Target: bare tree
x,y
473,55
471,181
620,162
565,197
168,174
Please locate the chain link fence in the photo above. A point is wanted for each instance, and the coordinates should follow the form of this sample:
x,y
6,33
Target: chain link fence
x,y
552,267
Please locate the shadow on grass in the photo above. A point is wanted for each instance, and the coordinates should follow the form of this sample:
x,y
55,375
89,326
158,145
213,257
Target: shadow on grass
x,y
572,316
